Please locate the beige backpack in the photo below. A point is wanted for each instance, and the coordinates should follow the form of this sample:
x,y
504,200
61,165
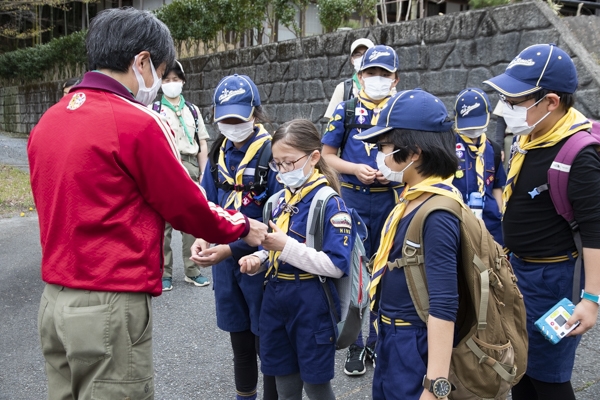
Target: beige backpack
x,y
491,355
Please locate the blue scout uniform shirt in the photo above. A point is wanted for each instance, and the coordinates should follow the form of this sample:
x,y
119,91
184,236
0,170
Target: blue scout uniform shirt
x,y
355,150
338,239
233,157
441,238
465,180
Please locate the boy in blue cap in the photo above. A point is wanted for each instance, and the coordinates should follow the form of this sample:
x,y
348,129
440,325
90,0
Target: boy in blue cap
x,y
480,176
364,188
415,137
537,90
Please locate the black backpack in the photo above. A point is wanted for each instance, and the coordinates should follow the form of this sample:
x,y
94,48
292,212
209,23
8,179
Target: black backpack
x,y
349,121
258,188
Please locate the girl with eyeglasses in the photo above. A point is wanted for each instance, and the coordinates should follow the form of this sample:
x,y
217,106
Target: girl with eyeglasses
x,y
297,335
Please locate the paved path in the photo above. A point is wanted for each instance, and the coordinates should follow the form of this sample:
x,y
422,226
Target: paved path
x,y
193,358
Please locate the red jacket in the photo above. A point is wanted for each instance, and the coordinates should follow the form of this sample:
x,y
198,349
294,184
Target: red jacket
x,y
105,176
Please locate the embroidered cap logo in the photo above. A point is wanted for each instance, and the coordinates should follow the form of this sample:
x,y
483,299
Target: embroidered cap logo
x,y
376,54
228,94
467,109
520,61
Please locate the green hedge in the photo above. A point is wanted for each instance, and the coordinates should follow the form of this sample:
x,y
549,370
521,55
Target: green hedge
x,y
43,61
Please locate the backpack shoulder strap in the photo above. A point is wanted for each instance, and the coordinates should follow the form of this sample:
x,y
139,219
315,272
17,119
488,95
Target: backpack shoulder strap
x,y
195,115
348,84
497,154
262,167
156,106
316,217
349,114
269,205
413,259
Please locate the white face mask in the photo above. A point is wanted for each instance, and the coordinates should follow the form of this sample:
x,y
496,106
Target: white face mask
x,y
237,133
394,176
377,87
296,178
473,133
357,62
516,118
172,89
146,95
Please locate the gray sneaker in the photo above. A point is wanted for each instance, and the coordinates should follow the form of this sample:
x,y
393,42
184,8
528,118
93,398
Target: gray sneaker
x,y
198,280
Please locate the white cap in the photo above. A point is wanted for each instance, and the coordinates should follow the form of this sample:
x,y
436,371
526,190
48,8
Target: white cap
x,y
361,42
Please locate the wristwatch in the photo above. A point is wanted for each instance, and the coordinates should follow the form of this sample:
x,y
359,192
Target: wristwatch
x,y
590,297
440,387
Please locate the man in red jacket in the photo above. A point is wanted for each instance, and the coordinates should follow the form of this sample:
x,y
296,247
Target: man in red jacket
x,y
106,175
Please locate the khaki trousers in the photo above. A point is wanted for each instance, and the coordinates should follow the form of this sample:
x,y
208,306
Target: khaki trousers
x,y
191,269
97,345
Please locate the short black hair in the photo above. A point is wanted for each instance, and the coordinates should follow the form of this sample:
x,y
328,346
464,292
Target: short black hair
x,y
117,35
437,149
175,67
567,100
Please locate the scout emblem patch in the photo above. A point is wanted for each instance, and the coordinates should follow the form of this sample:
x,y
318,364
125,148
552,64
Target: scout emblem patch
x,y
460,150
76,101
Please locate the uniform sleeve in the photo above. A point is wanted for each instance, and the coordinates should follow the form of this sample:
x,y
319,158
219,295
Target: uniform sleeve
x,y
338,238
209,186
334,133
148,158
202,132
441,238
336,98
500,178
584,195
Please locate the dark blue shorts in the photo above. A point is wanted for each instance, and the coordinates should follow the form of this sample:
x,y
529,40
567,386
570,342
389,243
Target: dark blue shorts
x,y
543,285
401,362
237,297
296,331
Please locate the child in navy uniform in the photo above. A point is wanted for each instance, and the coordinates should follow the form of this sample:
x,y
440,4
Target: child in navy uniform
x,y
297,334
480,176
235,154
417,143
363,186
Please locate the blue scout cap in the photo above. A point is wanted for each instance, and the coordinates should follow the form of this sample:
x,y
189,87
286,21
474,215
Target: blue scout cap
x,y
541,66
235,96
410,109
472,109
381,56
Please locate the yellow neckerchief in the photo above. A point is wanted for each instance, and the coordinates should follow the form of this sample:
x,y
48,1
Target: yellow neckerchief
x,y
478,150
376,107
235,197
571,123
287,207
178,110
433,184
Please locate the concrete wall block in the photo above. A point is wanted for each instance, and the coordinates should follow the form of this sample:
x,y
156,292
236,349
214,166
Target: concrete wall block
x,y
477,76
313,90
290,70
584,76
249,71
289,50
334,44
449,82
489,50
412,58
205,97
260,57
519,17
466,24
498,69
529,38
404,34
438,53
487,27
277,93
264,91
436,29
589,99
454,59
313,68
408,81
213,63
311,47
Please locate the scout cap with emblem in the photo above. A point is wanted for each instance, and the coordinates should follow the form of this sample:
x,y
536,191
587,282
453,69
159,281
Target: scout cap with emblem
x,y
471,110
541,66
410,109
380,56
235,96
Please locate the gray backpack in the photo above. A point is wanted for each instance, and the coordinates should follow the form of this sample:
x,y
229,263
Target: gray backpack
x,y
352,289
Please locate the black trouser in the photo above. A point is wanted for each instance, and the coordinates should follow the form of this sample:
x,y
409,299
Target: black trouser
x,y
245,347
532,389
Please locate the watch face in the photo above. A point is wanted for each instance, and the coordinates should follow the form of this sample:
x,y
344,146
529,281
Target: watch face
x,y
441,388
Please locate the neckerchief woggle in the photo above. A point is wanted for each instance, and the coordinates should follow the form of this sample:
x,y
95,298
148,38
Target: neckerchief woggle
x,y
434,185
178,110
572,122
235,197
287,209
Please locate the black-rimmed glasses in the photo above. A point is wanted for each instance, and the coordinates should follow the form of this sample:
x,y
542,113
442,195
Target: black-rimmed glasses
x,y
285,166
380,145
512,105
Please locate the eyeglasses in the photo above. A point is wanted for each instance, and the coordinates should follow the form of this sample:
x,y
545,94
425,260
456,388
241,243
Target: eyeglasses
x,y
380,145
512,105
357,54
285,166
